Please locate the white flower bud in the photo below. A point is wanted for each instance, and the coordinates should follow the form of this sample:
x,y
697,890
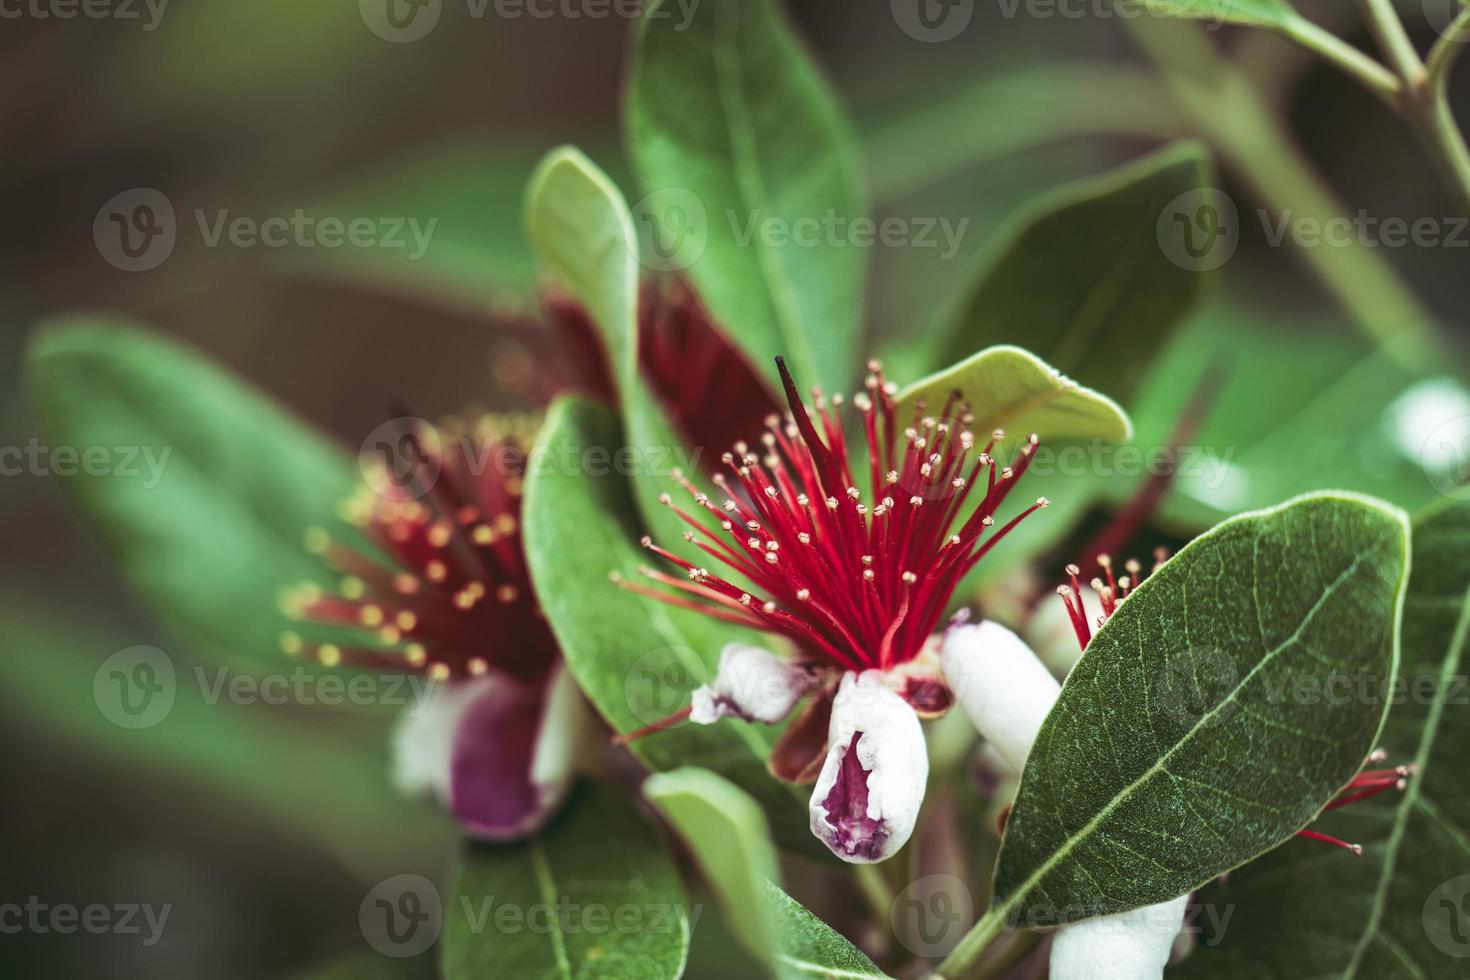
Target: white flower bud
x,y
866,800
1003,689
1127,946
751,683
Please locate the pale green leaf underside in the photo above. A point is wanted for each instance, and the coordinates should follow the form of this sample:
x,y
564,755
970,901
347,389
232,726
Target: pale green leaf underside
x,y
212,543
726,831
597,858
1080,278
1187,740
1013,389
1300,913
727,110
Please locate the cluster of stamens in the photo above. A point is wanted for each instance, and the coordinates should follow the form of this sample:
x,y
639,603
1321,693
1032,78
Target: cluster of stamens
x,y
438,582
855,582
1110,592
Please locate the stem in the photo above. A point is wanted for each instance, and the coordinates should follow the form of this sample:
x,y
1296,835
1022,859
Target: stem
x,y
1444,52
1384,23
962,958
1228,110
875,889
1423,100
1378,79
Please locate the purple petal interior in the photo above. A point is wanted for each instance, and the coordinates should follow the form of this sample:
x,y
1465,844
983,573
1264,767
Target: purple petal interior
x,y
855,834
490,772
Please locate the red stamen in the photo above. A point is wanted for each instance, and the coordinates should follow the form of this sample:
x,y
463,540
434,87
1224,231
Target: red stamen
x,y
856,579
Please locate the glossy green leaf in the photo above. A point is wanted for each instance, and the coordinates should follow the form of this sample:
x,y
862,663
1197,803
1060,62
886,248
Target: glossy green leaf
x,y
727,832
1201,728
595,895
1258,13
1010,388
210,532
636,658
733,132
1399,911
1080,279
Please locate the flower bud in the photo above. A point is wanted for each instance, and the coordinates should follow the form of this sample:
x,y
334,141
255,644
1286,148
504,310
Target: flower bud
x,y
1003,689
866,800
751,683
1127,946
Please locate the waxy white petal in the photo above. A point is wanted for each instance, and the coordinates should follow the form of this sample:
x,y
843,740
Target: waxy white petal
x,y
1002,687
751,683
1127,946
867,798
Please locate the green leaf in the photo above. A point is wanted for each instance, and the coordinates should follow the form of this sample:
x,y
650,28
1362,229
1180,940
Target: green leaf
x,y
1080,278
731,127
1257,13
595,895
727,832
1393,913
636,658
323,778
210,532
1007,387
1200,728
583,235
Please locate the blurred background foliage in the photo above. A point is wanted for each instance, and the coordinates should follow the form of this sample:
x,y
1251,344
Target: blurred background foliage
x,y
261,824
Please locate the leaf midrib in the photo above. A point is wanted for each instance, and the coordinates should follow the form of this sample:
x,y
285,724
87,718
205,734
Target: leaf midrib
x,y
1160,765
546,885
1414,791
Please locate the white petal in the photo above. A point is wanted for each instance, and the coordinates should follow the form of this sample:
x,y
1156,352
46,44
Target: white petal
x,y
751,683
1004,690
423,740
564,722
1128,946
895,768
